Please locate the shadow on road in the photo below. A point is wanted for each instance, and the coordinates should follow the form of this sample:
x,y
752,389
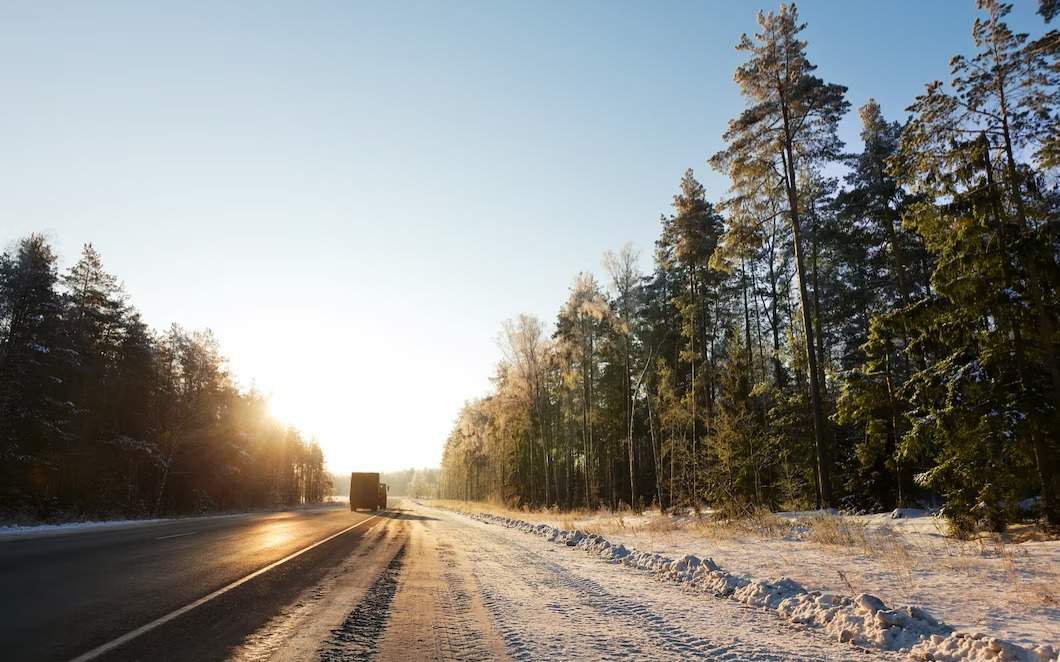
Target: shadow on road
x,y
397,513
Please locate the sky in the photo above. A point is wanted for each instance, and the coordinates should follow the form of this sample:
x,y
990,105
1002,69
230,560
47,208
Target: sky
x,y
355,196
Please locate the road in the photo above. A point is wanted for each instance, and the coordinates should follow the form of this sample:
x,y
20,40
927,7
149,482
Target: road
x,y
67,592
411,583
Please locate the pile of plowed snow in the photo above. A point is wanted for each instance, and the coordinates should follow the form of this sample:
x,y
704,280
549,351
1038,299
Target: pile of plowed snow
x,y
862,620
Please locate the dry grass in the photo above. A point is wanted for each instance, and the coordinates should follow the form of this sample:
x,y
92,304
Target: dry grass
x,y
987,554
565,519
892,549
835,530
755,524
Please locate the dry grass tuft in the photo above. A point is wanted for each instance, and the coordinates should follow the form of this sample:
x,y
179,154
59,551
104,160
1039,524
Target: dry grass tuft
x,y
755,524
835,530
884,544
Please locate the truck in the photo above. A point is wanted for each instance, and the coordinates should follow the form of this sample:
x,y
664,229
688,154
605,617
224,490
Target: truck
x,y
364,491
382,495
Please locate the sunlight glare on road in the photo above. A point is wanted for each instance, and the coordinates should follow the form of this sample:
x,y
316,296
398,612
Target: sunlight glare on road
x,y
274,535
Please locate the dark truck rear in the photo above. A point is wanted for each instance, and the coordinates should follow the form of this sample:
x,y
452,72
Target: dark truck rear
x,y
364,491
382,496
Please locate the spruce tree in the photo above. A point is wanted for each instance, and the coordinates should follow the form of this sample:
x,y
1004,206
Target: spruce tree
x,y
34,415
963,145
737,443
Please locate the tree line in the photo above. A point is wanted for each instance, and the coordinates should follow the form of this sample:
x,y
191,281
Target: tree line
x,y
406,482
877,339
417,483
100,416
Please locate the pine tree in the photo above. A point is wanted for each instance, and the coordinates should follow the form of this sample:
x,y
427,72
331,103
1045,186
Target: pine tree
x,y
887,265
1048,9
789,125
94,315
692,236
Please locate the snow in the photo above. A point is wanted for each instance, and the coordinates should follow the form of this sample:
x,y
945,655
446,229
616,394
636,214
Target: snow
x,y
1008,591
468,590
15,530
552,601
845,614
10,531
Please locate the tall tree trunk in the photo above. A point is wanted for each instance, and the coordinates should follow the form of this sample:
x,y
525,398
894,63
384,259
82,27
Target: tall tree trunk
x,y
629,436
818,332
634,502
165,476
747,320
816,405
774,318
655,456
692,361
588,406
586,439
530,454
758,321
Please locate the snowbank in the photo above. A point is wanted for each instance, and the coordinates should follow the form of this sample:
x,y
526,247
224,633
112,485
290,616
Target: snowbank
x,y
16,530
862,620
9,531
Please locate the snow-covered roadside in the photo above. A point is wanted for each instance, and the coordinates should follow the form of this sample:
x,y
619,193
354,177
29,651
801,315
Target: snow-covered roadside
x,y
1008,591
557,603
12,531
862,619
17,531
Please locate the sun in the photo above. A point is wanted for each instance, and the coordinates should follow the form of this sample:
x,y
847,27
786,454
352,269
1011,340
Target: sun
x,y
319,414
287,409
304,408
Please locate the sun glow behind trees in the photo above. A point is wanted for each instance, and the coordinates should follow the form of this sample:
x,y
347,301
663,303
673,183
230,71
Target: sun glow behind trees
x,y
351,387
101,415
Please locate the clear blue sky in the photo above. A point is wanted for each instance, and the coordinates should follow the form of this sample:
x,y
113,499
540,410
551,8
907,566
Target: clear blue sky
x,y
354,196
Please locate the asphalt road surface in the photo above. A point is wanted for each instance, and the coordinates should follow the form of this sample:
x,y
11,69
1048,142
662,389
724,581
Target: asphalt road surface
x,y
67,592
411,583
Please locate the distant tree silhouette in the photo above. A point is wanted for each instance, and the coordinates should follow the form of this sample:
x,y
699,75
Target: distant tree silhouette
x,y
101,417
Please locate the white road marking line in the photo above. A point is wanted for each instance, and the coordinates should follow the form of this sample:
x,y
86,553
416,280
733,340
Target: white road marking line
x,y
129,636
175,535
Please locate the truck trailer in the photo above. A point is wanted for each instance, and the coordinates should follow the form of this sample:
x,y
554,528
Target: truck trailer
x,y
364,491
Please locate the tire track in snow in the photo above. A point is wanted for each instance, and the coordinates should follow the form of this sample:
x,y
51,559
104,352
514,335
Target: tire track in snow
x,y
463,638
631,628
356,638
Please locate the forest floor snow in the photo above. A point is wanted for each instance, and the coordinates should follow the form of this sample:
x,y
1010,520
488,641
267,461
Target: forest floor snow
x,y
1000,589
